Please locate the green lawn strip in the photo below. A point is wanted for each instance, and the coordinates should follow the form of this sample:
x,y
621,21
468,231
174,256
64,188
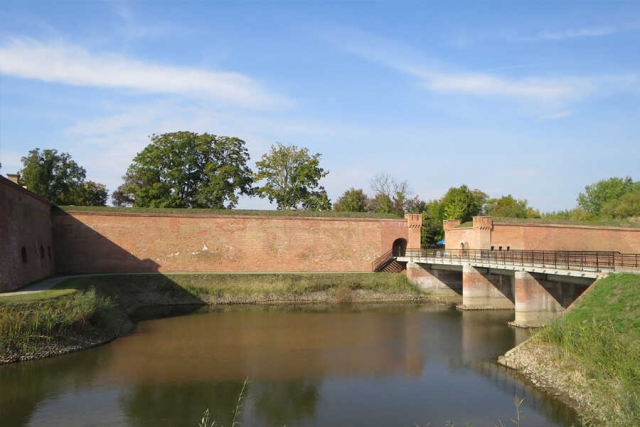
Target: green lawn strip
x,y
624,223
34,296
602,334
229,212
157,289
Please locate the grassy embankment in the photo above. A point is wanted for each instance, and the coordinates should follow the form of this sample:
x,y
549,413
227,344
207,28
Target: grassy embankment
x,y
225,212
87,311
596,347
621,223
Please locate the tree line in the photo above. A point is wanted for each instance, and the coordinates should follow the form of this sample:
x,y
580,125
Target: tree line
x,y
190,170
186,170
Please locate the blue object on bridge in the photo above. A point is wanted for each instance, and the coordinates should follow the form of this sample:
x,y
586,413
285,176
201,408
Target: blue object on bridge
x,y
440,243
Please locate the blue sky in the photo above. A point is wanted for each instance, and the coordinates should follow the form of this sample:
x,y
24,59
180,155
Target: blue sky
x,y
534,99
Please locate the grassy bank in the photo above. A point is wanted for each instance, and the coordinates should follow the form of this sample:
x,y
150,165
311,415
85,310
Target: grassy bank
x,y
593,351
86,311
225,212
42,324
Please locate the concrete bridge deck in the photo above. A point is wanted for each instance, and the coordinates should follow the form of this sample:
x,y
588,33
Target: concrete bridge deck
x,y
536,284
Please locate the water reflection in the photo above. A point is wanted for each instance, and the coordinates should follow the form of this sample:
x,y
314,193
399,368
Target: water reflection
x,y
311,365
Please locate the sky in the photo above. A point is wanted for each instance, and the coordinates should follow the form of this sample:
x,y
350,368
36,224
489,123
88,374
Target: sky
x,y
534,99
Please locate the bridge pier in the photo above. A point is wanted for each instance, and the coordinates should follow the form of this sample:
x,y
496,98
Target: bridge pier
x,y
538,297
435,281
483,290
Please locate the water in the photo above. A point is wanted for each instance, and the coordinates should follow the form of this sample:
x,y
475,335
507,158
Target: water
x,y
390,365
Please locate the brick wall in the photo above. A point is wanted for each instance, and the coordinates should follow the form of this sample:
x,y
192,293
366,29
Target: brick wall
x,y
545,237
26,249
116,242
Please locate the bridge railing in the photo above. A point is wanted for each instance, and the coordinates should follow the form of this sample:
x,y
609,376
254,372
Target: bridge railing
x,y
568,260
381,260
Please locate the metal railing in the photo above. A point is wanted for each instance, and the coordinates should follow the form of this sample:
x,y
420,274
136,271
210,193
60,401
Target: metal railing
x,y
567,260
382,260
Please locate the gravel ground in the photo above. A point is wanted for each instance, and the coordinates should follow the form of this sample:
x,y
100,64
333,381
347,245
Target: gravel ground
x,y
550,370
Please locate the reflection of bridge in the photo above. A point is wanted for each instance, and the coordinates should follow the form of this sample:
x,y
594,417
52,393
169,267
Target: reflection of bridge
x,y
537,284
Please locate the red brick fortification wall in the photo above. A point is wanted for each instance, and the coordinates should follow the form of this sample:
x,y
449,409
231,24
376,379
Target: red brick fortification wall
x,y
116,242
486,234
26,249
576,238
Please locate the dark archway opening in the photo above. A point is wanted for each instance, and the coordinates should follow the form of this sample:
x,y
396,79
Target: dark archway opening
x,y
399,247
24,255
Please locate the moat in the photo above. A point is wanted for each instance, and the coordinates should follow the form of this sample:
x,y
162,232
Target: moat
x,y
311,365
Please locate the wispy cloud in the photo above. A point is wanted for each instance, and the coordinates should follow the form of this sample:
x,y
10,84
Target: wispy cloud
x,y
559,115
132,28
577,33
440,77
72,65
486,84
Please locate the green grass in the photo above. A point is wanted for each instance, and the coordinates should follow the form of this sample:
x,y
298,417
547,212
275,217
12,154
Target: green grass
x,y
601,335
232,212
30,321
291,286
131,291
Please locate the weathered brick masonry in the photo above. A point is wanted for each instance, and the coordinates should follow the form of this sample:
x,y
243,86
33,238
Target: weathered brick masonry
x,y
116,242
26,248
487,233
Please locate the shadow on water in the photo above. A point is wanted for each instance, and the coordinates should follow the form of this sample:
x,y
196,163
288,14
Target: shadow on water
x,y
24,386
356,365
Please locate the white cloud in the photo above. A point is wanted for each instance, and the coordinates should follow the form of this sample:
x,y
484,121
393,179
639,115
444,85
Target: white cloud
x,y
559,115
485,84
439,77
70,64
579,33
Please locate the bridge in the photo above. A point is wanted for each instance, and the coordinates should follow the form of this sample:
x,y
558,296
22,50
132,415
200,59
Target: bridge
x,y
536,284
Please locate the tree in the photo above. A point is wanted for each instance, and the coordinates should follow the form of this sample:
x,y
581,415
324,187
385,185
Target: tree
x,y
625,207
352,200
462,203
60,180
390,195
92,194
432,229
416,205
508,207
598,194
187,170
292,178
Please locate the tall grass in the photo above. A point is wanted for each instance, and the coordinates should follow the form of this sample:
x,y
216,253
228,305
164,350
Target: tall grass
x,y
27,323
601,337
340,287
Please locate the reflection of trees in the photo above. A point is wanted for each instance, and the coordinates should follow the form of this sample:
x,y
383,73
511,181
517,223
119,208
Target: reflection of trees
x,y
154,405
285,403
23,386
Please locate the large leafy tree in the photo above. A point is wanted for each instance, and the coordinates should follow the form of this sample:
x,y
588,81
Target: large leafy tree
x,y
60,180
509,207
624,207
187,170
462,203
458,203
291,178
352,200
597,195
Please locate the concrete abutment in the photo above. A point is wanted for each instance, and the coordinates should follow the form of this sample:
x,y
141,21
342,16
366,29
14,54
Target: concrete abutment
x,y
435,281
483,289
